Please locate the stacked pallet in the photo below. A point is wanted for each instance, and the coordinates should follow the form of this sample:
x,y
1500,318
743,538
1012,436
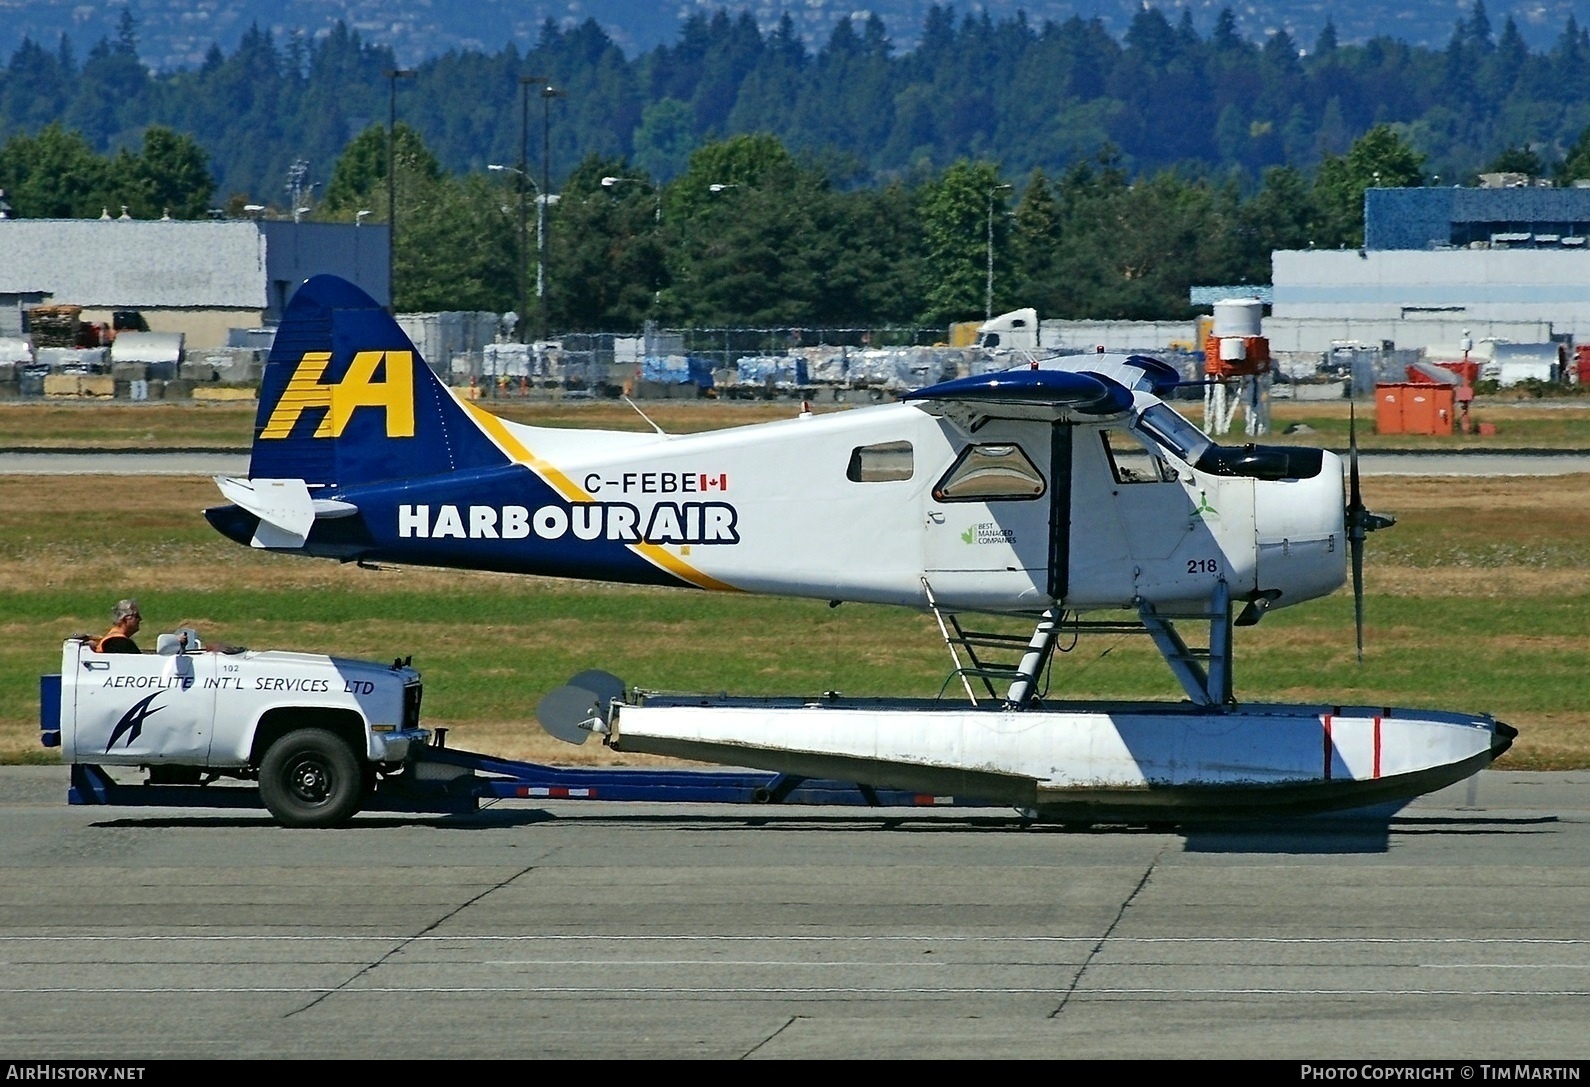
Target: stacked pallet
x,y
55,326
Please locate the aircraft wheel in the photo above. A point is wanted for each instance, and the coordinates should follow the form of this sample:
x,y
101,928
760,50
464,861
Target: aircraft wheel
x,y
310,778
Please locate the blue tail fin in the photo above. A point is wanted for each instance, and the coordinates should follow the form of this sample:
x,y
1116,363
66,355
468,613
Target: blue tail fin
x,y
347,400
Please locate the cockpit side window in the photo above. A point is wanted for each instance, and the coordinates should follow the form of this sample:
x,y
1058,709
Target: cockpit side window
x,y
1134,462
881,463
985,473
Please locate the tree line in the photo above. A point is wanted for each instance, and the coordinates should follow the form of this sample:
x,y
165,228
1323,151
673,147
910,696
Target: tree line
x,y
755,182
752,234
1028,96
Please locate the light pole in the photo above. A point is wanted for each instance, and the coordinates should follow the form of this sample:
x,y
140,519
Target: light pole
x,y
392,76
988,300
358,220
609,182
542,200
547,95
525,83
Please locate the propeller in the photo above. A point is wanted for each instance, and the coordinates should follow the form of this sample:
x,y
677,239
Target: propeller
x,y
1360,522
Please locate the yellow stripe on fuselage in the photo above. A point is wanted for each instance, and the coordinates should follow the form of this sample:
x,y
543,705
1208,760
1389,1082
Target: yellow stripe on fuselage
x,y
572,491
516,449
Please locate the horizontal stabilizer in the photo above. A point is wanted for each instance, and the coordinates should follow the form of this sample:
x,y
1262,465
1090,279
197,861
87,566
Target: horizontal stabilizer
x,y
283,506
286,512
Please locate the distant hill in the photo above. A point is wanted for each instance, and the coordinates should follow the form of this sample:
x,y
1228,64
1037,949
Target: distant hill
x,y
175,34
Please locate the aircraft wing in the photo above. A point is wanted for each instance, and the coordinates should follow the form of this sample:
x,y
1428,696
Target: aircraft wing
x,y
1029,394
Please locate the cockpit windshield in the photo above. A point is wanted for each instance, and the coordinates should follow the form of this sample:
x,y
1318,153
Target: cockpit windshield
x,y
1162,425
1165,426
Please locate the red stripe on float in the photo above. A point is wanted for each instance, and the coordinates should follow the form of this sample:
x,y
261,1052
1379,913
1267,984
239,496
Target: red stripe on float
x,y
1377,747
1326,720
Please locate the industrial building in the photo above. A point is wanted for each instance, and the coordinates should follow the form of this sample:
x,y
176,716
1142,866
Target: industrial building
x,y
201,279
1493,263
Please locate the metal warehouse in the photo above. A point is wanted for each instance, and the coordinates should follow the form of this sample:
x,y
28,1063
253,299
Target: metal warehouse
x,y
198,278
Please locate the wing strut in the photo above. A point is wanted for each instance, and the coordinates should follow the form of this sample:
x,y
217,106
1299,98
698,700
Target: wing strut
x,y
1039,649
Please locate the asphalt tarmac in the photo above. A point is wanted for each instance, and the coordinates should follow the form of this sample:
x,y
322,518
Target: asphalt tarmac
x,y
1453,929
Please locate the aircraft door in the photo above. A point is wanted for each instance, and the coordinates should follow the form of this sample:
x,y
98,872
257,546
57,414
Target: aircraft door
x,y
987,535
140,707
1145,526
1099,564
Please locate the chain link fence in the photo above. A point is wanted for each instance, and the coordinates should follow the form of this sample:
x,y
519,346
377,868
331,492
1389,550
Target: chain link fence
x,y
722,362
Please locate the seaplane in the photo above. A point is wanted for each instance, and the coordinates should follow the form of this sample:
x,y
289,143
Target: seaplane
x,y
1066,492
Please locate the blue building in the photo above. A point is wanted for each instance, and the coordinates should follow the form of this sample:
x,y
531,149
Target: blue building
x,y
1515,217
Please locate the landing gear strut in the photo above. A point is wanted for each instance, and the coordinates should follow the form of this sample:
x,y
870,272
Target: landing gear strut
x,y
1205,674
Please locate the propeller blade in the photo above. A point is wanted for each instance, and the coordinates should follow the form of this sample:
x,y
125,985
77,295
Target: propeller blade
x,y
1355,494
1356,543
1357,526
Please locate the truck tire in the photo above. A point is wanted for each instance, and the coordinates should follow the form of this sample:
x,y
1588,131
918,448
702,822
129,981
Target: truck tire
x,y
310,778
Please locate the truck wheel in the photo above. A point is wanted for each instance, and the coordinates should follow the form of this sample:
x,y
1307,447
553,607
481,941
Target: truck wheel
x,y
310,778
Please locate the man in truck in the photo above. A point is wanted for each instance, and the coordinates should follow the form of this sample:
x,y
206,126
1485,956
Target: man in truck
x,y
125,621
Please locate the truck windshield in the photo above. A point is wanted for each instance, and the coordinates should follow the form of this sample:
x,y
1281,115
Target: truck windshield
x,y
1166,427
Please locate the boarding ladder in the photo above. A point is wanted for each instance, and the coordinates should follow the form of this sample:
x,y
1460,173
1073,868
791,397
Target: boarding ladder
x,y
988,654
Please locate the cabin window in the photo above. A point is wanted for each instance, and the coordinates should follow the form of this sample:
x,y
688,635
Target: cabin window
x,y
885,462
986,473
1133,462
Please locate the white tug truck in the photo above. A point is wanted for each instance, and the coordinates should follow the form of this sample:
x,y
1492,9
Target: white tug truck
x,y
317,732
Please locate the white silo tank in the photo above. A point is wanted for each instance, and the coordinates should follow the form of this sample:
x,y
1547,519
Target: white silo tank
x,y
1238,318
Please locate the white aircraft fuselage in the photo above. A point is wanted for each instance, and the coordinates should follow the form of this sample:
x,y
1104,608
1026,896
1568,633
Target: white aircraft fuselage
x,y
799,508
